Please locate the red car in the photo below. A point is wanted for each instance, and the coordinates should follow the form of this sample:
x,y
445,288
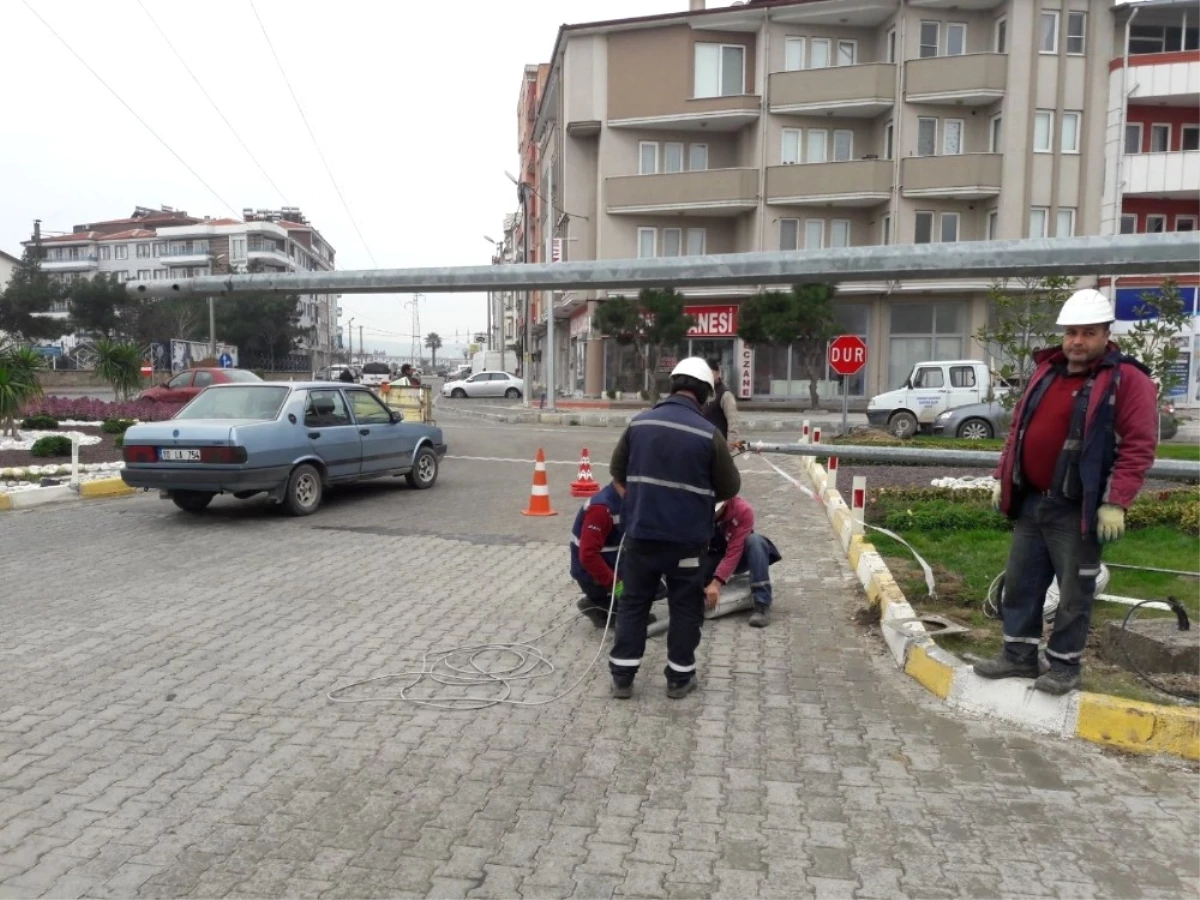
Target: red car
x,y
190,382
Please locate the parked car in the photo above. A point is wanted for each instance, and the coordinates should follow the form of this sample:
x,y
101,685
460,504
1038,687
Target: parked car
x,y
931,389
977,421
485,384
187,384
291,441
376,373
334,373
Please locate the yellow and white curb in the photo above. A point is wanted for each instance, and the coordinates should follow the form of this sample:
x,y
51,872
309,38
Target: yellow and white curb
x,y
101,488
1129,725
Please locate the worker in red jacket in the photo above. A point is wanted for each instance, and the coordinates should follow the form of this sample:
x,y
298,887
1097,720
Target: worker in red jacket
x,y
735,548
1083,437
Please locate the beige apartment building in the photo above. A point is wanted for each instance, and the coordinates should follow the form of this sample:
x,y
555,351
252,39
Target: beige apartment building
x,y
799,124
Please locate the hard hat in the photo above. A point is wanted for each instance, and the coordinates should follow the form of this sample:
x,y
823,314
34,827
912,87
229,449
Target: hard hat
x,y
1086,307
697,368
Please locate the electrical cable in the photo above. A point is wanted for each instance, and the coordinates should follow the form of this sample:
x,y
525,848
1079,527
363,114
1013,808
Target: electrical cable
x,y
1182,617
312,136
213,103
460,667
132,111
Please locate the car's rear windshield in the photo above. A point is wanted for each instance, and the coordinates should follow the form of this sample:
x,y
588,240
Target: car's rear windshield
x,y
261,403
377,369
240,375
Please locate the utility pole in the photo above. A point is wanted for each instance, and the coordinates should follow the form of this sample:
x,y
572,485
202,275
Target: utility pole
x,y
527,344
416,329
362,350
549,295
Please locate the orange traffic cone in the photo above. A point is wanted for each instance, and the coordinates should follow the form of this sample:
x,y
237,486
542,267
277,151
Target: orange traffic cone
x,y
539,495
585,485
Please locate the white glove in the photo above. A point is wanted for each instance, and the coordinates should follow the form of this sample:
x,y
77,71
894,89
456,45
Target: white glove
x,y
997,490
1110,523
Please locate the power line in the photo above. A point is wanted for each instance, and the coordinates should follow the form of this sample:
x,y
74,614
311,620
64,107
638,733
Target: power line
x,y
304,118
213,103
132,111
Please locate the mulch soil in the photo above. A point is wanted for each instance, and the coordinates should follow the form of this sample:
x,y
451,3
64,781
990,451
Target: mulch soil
x,y
105,451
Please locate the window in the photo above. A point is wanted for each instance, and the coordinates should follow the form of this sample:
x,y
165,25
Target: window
x,y
1076,25
369,411
647,158
929,377
1038,217
647,243
160,274
1049,32
962,376
202,379
697,241
1064,226
819,55
1147,39
930,39
952,132
325,409
121,251
1128,224
814,234
847,53
793,54
923,232
789,234
697,157
949,228
1133,137
843,145
817,150
720,70
143,275
1185,223
143,251
1156,224
672,242
839,233
672,156
889,140
1160,138
993,224
996,134
1000,36
956,39
791,146
106,252
237,247
1043,126
891,45
1189,138
1069,132
885,229
926,137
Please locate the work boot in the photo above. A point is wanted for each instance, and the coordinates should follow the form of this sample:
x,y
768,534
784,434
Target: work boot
x,y
761,617
622,691
1003,667
675,691
1058,681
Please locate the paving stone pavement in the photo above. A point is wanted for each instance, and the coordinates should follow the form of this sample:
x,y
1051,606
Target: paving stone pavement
x,y
165,732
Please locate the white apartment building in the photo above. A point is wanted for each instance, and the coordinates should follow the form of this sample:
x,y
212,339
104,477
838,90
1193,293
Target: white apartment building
x,y
8,263
799,124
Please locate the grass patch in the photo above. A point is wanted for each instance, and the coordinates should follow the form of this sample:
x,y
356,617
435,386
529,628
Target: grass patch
x,y
883,439
1179,451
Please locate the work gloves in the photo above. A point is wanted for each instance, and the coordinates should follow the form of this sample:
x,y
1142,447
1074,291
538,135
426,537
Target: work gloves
x,y
997,489
618,590
1110,524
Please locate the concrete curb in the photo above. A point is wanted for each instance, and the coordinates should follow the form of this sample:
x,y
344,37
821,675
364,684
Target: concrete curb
x,y
750,422
88,490
1129,725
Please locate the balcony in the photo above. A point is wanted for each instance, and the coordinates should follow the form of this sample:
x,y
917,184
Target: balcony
x,y
973,79
1169,79
851,91
707,113
965,176
1163,176
268,253
78,264
183,256
862,182
714,192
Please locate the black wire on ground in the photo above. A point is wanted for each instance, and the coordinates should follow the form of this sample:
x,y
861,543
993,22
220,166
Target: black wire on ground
x,y
1184,625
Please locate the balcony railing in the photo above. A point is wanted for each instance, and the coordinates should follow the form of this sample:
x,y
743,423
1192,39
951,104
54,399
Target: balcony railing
x,y
710,191
964,176
860,182
864,90
971,79
1167,176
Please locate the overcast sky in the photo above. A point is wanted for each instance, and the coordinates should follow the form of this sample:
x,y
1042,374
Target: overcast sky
x,y
412,104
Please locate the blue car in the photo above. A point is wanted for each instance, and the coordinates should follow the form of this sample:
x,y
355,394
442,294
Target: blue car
x,y
291,441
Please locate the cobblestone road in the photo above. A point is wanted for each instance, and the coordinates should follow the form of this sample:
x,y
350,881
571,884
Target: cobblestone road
x,y
165,732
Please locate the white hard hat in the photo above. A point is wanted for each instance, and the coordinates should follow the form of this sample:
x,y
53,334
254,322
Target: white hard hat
x,y
697,368
1086,307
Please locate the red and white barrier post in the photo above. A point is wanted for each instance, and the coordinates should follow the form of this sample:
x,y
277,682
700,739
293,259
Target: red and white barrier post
x,y
805,433
816,434
858,503
831,467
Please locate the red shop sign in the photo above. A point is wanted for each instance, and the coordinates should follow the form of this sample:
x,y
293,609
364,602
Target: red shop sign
x,y
713,321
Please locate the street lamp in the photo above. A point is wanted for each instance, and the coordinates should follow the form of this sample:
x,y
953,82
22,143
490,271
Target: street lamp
x,y
350,343
212,313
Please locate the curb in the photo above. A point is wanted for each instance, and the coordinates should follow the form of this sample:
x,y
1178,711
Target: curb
x,y
1129,725
98,489
619,420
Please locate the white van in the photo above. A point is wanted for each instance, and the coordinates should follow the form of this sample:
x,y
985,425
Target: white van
x,y
930,389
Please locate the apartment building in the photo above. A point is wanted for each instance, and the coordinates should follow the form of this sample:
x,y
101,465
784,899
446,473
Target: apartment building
x,y
8,263
1152,153
165,244
800,124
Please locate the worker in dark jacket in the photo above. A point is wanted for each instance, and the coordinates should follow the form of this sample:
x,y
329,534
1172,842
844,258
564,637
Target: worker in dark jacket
x,y
1083,437
722,408
595,541
674,466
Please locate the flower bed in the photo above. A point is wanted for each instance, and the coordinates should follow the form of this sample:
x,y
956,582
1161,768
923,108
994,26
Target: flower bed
x,y
90,410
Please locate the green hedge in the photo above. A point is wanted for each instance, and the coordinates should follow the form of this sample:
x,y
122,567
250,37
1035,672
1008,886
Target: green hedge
x,y
51,445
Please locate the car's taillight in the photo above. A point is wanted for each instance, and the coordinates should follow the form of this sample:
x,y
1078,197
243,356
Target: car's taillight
x,y
223,455
139,453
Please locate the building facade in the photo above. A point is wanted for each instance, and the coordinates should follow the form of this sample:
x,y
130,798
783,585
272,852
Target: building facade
x,y
801,124
8,263
1152,155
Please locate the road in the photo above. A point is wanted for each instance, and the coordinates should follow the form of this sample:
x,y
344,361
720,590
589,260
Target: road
x,y
165,729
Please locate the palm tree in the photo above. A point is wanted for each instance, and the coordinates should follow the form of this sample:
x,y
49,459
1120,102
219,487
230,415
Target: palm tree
x,y
120,365
18,385
433,341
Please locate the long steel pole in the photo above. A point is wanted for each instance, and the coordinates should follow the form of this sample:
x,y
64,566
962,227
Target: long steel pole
x,y
527,349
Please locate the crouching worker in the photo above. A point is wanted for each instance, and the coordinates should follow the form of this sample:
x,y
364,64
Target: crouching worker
x,y
736,548
595,540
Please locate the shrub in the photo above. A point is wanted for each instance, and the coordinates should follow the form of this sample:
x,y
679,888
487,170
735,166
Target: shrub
x,y
116,426
940,515
87,409
40,423
52,445
119,441
1178,508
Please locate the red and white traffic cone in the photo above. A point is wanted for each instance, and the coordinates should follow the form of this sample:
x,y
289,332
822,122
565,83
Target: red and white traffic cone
x,y
585,485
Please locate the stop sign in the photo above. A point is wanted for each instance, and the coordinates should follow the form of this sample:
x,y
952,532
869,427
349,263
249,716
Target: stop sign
x,y
847,354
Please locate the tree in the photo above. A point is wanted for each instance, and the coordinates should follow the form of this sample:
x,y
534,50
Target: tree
x,y
1023,323
19,384
804,318
263,324
101,306
433,341
653,321
120,365
1161,316
27,299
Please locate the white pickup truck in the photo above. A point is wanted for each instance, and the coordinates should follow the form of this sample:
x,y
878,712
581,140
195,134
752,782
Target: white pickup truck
x,y
931,389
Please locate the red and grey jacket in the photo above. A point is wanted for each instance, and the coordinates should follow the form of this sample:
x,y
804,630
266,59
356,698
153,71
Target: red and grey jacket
x,y
1119,439
596,538
735,524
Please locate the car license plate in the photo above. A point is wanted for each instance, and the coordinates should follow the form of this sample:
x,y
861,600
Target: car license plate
x,y
189,455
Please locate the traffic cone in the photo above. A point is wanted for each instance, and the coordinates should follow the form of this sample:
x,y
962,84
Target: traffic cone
x,y
539,494
585,485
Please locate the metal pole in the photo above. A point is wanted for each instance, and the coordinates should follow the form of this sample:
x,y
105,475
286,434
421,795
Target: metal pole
x,y
528,342
845,402
212,327
550,361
